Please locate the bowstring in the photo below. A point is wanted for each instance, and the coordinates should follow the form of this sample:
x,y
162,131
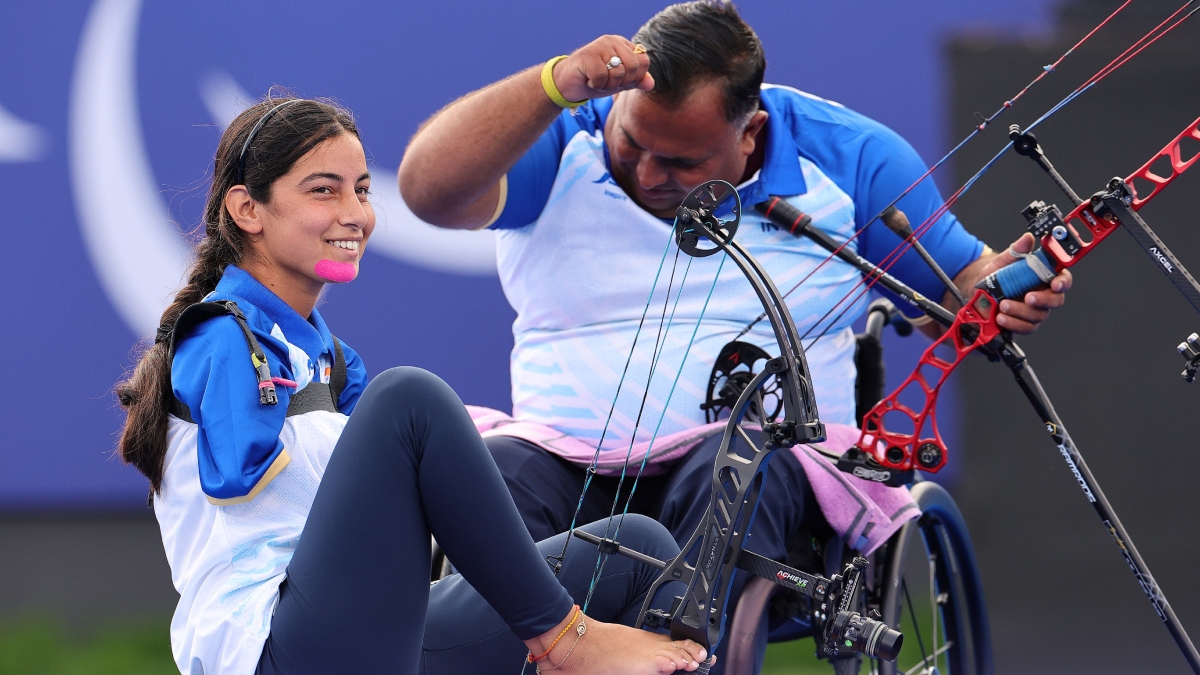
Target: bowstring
x,y
660,347
662,415
868,281
590,472
983,124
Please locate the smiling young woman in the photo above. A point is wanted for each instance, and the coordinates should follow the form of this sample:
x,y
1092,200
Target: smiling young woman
x,y
296,501
315,227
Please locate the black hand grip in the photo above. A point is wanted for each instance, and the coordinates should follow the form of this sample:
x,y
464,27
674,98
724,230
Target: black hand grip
x,y
791,219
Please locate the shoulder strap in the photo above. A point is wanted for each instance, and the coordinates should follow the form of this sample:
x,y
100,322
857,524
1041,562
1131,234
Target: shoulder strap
x,y
196,314
337,377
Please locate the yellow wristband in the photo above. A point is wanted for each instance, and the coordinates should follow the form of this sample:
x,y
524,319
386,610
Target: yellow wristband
x,y
552,90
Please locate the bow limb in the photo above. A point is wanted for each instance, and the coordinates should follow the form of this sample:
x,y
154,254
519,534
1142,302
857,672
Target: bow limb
x,y
889,455
707,563
907,242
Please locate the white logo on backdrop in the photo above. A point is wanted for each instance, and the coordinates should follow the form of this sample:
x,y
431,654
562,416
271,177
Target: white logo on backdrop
x,y
135,248
20,141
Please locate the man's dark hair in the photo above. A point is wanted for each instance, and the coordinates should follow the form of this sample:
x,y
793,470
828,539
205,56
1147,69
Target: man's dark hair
x,y
705,40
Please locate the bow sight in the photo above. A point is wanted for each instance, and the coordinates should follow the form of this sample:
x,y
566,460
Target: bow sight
x,y
708,561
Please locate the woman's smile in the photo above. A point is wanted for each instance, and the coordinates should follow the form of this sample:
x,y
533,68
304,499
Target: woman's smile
x,y
350,246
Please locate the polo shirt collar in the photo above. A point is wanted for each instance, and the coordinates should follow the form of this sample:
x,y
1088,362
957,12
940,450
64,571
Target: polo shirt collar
x,y
780,173
266,309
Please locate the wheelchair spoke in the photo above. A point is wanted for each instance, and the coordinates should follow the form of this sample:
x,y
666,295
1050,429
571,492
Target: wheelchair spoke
x,y
913,613
919,668
958,644
933,603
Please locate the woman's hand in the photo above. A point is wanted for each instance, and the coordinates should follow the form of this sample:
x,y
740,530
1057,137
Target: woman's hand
x,y
587,74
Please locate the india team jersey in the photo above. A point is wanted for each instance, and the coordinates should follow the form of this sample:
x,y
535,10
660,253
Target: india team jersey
x,y
580,261
240,477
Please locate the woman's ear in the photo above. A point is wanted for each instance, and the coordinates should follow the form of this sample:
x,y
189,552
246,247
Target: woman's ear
x,y
243,209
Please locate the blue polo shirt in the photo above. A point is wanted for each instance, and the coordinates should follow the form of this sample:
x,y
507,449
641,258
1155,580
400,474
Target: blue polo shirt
x,y
868,161
238,438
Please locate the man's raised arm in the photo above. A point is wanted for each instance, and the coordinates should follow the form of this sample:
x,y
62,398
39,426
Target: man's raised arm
x,y
451,172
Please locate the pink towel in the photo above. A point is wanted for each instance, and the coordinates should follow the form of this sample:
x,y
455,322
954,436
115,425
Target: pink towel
x,y
863,513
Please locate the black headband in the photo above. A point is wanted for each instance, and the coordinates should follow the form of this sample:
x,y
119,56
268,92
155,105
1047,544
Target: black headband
x,y
250,138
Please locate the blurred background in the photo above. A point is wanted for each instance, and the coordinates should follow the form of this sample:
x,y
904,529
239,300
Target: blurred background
x,y
109,114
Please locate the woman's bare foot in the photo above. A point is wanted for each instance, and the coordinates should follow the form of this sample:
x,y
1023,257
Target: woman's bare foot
x,y
612,649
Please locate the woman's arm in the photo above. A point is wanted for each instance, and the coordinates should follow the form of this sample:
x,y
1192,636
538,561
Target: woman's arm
x,y
451,171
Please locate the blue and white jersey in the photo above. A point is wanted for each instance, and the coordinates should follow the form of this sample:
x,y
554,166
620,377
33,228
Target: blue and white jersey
x,y
239,481
578,258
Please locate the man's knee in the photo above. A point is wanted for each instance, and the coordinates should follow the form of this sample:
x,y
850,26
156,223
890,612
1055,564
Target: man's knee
x,y
544,488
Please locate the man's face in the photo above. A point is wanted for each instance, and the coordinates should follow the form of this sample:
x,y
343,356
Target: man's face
x,y
660,154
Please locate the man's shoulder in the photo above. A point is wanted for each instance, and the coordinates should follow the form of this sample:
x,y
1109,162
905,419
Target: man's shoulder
x,y
828,133
814,119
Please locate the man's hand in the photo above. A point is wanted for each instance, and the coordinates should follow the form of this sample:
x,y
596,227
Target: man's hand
x,y
586,74
1019,317
450,175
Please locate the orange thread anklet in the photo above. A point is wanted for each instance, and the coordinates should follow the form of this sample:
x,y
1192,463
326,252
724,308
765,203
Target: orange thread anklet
x,y
533,659
579,634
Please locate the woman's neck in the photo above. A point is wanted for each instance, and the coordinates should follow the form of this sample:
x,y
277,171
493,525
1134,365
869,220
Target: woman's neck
x,y
299,292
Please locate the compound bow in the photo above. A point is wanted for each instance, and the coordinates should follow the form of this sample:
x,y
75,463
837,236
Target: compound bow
x,y
707,562
889,456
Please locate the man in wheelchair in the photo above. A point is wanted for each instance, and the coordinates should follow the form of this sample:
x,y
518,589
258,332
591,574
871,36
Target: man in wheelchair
x,y
579,165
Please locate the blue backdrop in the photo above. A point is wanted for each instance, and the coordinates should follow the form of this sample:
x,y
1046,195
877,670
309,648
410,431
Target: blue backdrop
x,y
110,111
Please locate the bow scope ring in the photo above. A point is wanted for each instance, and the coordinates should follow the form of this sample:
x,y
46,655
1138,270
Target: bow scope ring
x,y
696,220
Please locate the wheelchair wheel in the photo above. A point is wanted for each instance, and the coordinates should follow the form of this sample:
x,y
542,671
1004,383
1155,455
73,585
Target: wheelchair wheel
x,y
930,590
439,564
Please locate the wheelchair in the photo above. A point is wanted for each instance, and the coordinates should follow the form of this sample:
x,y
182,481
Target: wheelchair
x,y
923,581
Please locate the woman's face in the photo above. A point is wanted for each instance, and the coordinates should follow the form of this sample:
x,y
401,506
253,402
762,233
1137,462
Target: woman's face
x,y
318,221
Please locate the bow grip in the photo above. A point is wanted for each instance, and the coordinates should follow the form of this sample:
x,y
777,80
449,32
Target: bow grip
x,y
1015,280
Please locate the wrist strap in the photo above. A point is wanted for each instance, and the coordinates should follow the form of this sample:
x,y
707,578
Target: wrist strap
x,y
552,90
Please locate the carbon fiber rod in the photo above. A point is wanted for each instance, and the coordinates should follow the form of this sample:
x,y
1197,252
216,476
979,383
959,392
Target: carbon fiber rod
x,y
1015,359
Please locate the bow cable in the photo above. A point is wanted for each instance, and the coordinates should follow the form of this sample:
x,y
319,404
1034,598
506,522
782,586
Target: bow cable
x,y
662,414
983,124
660,343
591,469
868,281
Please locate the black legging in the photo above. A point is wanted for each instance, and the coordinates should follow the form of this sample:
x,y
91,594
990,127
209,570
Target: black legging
x,y
465,636
409,463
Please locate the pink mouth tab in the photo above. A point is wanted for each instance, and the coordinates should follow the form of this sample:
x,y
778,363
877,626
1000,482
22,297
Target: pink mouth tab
x,y
336,272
